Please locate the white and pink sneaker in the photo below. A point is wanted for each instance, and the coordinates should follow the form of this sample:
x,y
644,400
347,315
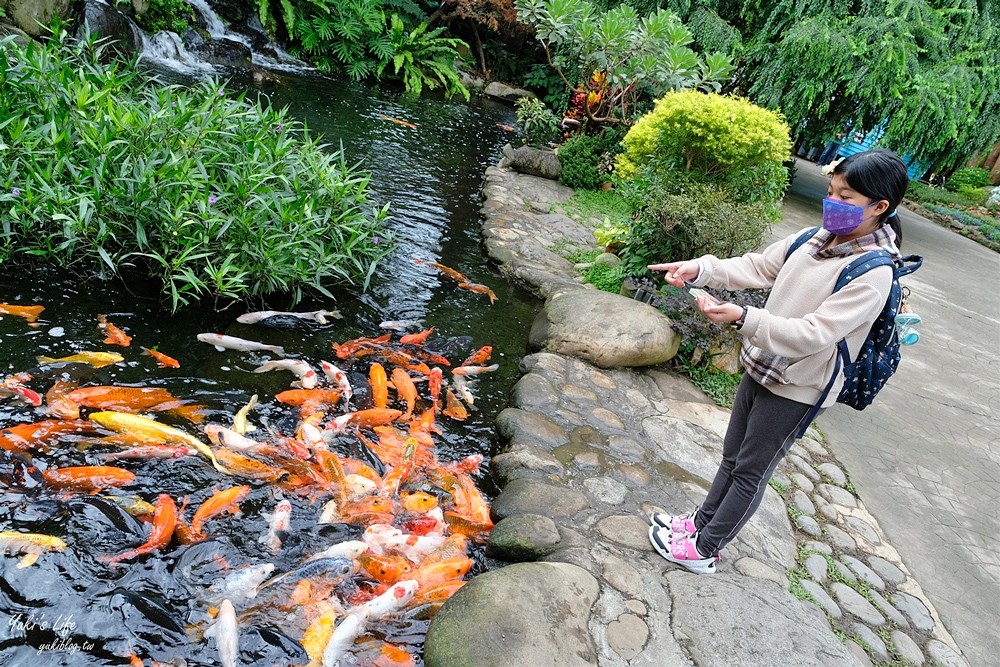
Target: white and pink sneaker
x,y
681,524
681,549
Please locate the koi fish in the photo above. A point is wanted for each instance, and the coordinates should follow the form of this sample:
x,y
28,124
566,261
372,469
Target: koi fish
x,y
162,360
441,571
506,128
32,545
164,520
435,380
29,313
227,636
384,569
12,385
474,370
462,388
240,423
87,478
450,272
58,402
239,586
379,385
479,289
277,522
405,390
351,550
318,634
339,378
40,434
135,399
399,325
417,338
418,501
397,121
310,400
479,357
95,359
328,569
147,452
133,505
344,636
222,343
318,316
248,468
153,430
395,598
363,419
349,348
115,336
453,407
221,502
307,376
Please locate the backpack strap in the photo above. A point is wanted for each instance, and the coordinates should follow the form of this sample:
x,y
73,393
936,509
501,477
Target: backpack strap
x,y
915,262
800,241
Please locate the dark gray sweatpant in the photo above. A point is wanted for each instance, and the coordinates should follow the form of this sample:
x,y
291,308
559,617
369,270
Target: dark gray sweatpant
x,y
761,430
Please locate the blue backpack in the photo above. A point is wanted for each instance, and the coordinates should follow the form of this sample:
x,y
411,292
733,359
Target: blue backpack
x,y
879,355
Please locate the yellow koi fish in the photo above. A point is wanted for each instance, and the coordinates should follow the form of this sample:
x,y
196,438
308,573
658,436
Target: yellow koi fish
x,y
144,427
95,359
31,544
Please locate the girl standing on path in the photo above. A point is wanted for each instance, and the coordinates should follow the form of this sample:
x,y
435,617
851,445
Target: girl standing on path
x,y
790,346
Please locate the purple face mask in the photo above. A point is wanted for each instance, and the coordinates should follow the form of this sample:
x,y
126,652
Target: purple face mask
x,y
842,218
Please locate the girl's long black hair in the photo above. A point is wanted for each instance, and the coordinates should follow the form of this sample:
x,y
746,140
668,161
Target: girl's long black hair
x,y
878,174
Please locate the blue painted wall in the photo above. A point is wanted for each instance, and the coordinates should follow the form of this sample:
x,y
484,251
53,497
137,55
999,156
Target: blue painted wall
x,y
861,142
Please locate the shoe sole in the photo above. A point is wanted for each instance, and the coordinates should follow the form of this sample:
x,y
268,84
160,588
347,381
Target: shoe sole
x,y
664,550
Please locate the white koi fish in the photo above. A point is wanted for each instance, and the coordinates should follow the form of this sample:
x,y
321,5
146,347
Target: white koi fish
x,y
351,549
474,370
400,325
311,436
222,343
241,585
307,376
230,439
226,633
394,599
318,316
277,522
359,486
461,386
338,377
344,636
240,423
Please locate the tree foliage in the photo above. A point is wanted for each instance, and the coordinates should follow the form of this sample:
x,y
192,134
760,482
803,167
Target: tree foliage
x,y
928,69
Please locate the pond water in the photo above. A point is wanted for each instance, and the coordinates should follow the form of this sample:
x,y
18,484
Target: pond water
x,y
71,609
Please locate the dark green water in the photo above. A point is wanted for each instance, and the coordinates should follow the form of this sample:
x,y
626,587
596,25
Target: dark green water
x,y
432,175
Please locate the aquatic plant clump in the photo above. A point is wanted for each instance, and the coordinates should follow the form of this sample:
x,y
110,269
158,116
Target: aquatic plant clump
x,y
214,195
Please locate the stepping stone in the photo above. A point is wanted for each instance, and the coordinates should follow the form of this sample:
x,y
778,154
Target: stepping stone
x,y
802,482
523,537
854,603
821,547
837,495
914,610
907,648
864,530
635,607
813,433
801,502
781,478
803,467
808,525
751,567
816,566
821,598
534,392
887,609
864,572
859,653
627,530
945,655
886,570
627,635
800,452
827,510
844,571
607,490
833,473
527,496
813,447
840,539
878,649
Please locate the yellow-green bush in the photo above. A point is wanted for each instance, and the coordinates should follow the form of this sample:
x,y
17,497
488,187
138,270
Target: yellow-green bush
x,y
702,132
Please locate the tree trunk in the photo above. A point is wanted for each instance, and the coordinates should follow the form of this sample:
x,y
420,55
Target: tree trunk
x,y
479,49
437,13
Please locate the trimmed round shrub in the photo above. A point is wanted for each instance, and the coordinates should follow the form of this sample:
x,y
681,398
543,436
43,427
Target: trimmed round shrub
x,y
709,133
585,159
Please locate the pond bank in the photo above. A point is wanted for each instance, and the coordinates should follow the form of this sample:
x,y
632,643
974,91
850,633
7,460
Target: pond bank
x,y
590,452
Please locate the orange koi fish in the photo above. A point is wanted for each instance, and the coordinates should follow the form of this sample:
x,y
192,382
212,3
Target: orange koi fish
x,y
405,390
474,530
479,289
430,357
221,502
87,478
135,400
58,402
397,121
364,419
506,128
248,468
456,546
438,573
418,501
13,385
115,336
392,655
164,520
350,347
417,338
400,358
29,313
435,380
384,569
450,272
479,357
379,384
454,407
41,434
162,360
310,401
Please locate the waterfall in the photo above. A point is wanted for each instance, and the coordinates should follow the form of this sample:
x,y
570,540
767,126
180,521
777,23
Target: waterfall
x,y
166,48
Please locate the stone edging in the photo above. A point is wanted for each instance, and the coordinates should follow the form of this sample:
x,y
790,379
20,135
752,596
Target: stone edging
x,y
589,453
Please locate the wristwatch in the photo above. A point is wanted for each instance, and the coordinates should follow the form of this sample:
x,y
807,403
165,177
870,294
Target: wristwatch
x,y
742,318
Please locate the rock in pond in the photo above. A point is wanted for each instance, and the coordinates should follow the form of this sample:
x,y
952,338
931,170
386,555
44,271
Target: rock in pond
x,y
532,161
528,496
502,91
523,537
536,613
607,330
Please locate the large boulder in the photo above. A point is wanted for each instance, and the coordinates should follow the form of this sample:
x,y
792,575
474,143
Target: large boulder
x,y
34,16
106,21
532,161
20,37
224,52
502,91
523,614
607,330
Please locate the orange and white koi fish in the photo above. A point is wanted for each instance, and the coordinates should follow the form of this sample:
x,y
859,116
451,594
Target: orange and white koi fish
x,y
221,502
318,316
41,434
417,338
397,121
277,523
58,402
29,313
222,343
506,128
395,598
379,385
87,478
479,289
95,359
462,389
345,635
307,376
135,399
115,336
162,360
13,385
338,378
31,544
164,520
474,370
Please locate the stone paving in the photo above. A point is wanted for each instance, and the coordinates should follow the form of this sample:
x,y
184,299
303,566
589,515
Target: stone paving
x,y
589,453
